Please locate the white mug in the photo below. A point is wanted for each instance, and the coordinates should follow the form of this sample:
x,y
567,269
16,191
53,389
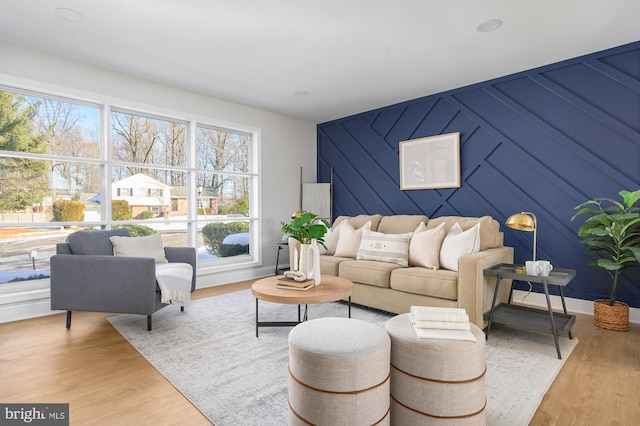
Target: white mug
x,y
545,267
532,267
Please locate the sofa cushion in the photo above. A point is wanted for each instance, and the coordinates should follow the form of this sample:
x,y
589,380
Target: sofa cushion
x,y
490,235
459,243
440,283
349,240
329,264
94,243
401,223
360,220
149,246
391,248
367,272
424,248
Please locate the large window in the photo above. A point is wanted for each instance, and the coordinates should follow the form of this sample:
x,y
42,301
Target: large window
x,y
60,172
225,183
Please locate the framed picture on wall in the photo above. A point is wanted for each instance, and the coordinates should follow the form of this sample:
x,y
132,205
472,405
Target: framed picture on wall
x,y
430,163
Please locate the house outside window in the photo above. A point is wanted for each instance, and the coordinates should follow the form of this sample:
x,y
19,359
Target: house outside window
x,y
53,168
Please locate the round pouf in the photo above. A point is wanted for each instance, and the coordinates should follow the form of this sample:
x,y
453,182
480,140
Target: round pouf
x,y
339,373
435,381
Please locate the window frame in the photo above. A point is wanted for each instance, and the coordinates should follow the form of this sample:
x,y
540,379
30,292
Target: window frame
x,y
106,162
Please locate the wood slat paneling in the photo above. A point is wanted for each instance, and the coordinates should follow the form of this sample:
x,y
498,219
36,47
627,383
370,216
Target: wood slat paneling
x,y
543,140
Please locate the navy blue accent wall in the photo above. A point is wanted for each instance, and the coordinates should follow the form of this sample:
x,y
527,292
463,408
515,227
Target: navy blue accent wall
x,y
543,141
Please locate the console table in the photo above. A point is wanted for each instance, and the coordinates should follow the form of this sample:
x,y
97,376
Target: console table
x,y
527,318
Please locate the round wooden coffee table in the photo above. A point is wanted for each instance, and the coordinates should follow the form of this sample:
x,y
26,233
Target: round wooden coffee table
x,y
330,289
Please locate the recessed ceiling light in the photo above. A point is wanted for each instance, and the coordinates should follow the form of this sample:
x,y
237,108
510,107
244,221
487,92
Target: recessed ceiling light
x,y
301,94
490,25
69,14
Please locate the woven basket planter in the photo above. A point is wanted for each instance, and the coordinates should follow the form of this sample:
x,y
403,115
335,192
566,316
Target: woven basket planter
x,y
614,317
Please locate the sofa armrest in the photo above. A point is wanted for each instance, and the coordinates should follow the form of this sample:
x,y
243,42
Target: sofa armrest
x,y
475,291
103,283
183,255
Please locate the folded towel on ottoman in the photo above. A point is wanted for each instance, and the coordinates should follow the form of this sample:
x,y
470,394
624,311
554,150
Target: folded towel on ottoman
x,y
441,323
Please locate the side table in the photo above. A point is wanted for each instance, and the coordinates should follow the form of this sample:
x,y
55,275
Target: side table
x,y
279,270
524,317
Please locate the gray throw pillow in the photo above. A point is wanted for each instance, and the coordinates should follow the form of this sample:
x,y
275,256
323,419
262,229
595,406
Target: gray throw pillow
x,y
94,243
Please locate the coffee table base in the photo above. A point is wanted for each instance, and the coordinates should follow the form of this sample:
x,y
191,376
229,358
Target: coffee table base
x,y
288,323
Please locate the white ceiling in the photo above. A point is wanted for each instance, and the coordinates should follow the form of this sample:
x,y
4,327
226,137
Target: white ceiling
x,y
349,55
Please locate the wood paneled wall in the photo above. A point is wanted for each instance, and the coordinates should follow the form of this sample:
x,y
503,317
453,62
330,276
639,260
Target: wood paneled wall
x,y
543,140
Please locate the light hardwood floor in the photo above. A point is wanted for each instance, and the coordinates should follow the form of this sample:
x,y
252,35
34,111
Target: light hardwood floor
x,y
107,382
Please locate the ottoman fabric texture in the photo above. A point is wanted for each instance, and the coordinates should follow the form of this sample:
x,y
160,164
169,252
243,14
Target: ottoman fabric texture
x,y
339,373
435,381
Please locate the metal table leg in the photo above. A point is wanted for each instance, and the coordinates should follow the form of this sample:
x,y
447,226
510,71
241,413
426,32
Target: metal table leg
x,y
493,305
564,308
553,322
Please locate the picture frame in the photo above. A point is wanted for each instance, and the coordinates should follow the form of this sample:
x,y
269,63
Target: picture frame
x,y
431,162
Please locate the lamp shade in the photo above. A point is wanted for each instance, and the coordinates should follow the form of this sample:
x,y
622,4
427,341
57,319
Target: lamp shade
x,y
521,221
525,221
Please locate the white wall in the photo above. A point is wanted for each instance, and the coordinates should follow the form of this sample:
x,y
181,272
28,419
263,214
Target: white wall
x,y
286,143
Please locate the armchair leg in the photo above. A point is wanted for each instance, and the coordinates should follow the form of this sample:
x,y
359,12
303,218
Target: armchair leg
x,y
148,322
68,319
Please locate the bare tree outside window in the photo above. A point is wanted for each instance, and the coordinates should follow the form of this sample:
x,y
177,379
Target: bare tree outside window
x,y
53,158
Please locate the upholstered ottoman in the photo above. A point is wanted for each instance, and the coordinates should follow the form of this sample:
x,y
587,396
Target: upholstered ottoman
x,y
435,381
338,373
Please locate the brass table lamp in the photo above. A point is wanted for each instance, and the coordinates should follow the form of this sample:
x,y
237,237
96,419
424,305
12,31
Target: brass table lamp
x,y
524,221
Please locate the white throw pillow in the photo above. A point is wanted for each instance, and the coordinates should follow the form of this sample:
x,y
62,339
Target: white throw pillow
x,y
390,248
349,240
149,246
331,240
424,248
459,243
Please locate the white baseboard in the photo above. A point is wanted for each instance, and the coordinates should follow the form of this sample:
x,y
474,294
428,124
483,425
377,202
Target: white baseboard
x,y
35,300
573,305
229,277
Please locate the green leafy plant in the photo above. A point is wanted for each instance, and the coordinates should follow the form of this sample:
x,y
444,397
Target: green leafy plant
x,y
68,211
612,232
147,214
120,210
214,233
306,227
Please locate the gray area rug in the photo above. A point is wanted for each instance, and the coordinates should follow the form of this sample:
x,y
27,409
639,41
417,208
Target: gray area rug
x,y
210,353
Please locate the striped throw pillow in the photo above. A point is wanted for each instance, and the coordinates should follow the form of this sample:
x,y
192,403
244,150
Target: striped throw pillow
x,y
390,248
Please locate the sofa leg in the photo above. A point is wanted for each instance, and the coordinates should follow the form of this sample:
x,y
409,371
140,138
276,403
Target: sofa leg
x,y
148,322
68,319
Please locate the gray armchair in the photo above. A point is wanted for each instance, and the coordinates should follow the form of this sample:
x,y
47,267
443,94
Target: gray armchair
x,y
86,276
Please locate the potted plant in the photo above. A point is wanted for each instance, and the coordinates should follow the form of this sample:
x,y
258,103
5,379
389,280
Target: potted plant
x,y
306,227
612,232
309,231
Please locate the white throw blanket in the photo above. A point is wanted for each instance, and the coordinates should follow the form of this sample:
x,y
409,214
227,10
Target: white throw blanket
x,y
174,280
441,323
429,313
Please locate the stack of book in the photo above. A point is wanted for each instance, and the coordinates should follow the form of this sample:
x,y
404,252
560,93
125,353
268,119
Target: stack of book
x,y
441,323
291,284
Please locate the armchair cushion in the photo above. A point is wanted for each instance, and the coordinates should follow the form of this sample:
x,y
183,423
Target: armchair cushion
x,y
149,246
94,243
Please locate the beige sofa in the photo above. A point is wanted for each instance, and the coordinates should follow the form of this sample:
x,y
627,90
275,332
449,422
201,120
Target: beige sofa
x,y
395,288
